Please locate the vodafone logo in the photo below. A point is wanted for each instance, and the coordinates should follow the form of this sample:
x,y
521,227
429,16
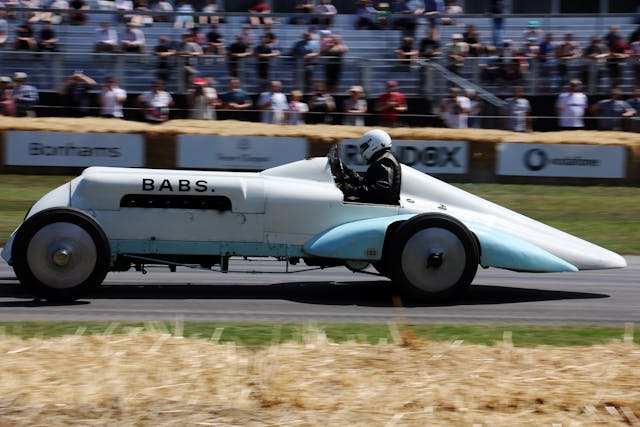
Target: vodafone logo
x,y
535,159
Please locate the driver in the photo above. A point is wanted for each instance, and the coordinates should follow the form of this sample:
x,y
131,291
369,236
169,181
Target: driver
x,y
381,183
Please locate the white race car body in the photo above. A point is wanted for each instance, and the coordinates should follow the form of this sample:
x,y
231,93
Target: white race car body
x,y
295,211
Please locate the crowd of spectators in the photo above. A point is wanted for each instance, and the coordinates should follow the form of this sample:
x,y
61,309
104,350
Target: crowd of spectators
x,y
554,59
460,109
572,107
500,61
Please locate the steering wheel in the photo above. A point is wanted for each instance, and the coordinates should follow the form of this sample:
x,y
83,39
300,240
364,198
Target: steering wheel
x,y
337,167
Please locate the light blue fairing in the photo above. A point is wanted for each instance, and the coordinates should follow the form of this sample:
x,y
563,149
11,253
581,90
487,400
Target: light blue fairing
x,y
363,240
358,240
503,250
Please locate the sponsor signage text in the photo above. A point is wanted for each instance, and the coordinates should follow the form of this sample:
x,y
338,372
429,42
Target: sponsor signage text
x,y
426,156
561,160
28,148
238,152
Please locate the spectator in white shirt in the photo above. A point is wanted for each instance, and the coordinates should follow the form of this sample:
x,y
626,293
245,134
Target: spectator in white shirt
x,y
518,112
185,19
455,109
203,99
355,107
297,109
124,6
112,99
133,40
571,106
210,6
106,39
273,104
4,30
156,103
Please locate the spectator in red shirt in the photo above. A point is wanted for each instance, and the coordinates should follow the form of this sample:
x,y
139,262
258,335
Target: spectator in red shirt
x,y
390,105
618,54
259,7
7,105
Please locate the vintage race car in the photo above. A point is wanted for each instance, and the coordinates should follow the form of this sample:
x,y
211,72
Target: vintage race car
x,y
430,245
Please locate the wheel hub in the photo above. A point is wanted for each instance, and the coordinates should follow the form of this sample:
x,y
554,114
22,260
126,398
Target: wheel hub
x,y
435,260
61,257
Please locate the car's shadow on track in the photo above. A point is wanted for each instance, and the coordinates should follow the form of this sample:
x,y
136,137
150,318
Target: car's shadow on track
x,y
357,293
26,299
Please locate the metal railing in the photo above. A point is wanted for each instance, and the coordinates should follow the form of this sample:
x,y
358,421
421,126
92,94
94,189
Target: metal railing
x,y
426,79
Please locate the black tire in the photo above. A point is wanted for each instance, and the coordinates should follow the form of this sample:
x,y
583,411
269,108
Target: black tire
x,y
61,254
433,257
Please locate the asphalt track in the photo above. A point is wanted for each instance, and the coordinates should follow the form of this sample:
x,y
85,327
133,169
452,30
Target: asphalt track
x,y
336,295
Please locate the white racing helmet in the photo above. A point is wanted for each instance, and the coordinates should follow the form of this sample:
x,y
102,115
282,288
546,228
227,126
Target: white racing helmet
x,y
372,142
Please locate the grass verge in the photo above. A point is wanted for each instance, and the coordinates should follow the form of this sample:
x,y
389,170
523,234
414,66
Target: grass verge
x,y
18,193
607,216
264,334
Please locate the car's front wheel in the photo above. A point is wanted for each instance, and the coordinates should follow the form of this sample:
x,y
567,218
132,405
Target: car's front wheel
x,y
433,257
61,254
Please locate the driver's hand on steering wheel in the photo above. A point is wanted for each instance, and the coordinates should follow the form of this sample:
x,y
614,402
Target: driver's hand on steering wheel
x,y
336,165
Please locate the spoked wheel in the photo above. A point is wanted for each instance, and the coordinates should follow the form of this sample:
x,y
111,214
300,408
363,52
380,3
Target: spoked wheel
x,y
61,254
433,257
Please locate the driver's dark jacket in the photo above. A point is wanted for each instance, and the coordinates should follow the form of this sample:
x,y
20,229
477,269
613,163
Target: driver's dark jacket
x,y
380,184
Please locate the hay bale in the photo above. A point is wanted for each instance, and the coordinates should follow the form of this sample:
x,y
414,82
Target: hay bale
x,y
159,380
326,132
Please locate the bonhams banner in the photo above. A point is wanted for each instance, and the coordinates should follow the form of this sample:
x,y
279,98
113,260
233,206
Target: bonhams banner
x,y
27,148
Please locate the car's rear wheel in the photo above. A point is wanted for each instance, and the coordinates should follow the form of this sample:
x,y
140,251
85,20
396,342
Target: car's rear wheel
x,y
61,254
433,257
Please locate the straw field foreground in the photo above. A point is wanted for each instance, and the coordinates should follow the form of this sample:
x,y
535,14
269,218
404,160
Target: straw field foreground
x,y
153,379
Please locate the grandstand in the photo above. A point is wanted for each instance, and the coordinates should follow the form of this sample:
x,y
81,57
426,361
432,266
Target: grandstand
x,y
370,61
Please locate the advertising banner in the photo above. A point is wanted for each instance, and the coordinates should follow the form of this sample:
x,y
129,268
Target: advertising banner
x,y
28,148
450,157
238,152
561,160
